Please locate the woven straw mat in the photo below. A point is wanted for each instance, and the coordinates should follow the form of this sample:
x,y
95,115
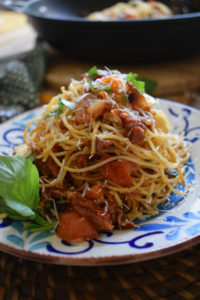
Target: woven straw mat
x,y
172,277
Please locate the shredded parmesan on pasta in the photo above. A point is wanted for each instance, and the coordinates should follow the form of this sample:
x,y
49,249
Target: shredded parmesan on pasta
x,y
64,141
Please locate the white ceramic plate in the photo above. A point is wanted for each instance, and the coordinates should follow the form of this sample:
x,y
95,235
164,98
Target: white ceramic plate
x,y
175,228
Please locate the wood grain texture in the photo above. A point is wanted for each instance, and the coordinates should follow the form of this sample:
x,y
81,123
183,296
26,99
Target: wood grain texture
x,y
180,78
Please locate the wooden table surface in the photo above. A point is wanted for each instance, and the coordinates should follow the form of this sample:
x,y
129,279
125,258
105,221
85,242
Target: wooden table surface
x,y
176,80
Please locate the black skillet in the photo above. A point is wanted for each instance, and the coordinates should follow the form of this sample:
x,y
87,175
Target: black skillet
x,y
62,24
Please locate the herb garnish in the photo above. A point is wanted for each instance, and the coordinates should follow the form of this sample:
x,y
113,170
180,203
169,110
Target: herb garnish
x,y
70,105
140,85
19,193
150,85
124,99
93,74
59,110
31,156
40,224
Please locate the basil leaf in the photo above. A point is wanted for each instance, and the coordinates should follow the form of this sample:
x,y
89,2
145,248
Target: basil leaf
x,y
93,72
57,111
140,85
19,192
40,220
35,227
31,157
12,214
19,188
40,224
69,104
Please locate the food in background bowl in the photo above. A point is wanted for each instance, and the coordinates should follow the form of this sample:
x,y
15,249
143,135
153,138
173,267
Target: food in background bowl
x,y
134,9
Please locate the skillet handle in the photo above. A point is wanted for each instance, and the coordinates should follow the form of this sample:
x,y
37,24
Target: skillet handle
x,y
17,5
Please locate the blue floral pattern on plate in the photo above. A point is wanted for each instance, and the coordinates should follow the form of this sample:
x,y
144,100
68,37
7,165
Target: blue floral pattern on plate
x,y
177,222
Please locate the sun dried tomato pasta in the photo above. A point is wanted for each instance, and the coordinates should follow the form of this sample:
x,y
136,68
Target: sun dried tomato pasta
x,y
105,154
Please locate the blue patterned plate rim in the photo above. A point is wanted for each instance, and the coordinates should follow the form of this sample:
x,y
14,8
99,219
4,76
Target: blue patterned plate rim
x,y
175,228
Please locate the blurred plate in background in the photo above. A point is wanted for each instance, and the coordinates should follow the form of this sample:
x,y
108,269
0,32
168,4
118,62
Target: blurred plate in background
x,y
60,23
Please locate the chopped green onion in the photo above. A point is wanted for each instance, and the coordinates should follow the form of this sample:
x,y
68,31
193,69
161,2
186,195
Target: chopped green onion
x,y
92,88
107,89
93,72
69,104
57,111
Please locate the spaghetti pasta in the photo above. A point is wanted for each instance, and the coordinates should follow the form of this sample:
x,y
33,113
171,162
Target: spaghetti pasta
x,y
105,154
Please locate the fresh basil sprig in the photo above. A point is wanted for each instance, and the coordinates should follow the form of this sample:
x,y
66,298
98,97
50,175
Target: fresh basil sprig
x,y
19,192
31,156
140,85
40,224
92,73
